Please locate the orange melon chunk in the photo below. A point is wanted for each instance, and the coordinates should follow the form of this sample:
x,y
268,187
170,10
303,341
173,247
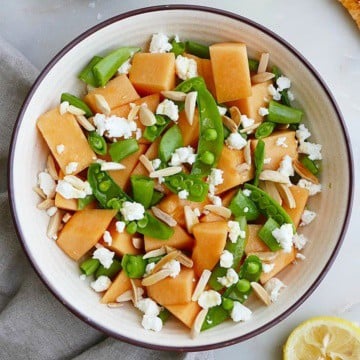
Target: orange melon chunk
x,y
231,71
63,129
211,217
254,243
210,239
186,313
301,196
65,204
171,291
190,133
83,231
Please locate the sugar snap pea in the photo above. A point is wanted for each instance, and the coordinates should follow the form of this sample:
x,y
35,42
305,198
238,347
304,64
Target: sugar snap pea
x,y
253,65
265,234
178,47
164,315
83,202
142,189
259,156
215,316
199,50
242,205
151,133
87,74
264,130
284,93
156,198
310,165
75,101
97,143
122,149
89,266
282,114
133,265
170,141
111,272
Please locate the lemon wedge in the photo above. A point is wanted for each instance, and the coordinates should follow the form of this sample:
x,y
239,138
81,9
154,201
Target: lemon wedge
x,y
324,338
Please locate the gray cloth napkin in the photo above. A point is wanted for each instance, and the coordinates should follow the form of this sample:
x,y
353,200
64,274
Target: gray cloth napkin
x,y
33,324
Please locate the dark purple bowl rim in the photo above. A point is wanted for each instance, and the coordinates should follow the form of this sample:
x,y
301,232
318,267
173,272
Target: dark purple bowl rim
x,y
325,88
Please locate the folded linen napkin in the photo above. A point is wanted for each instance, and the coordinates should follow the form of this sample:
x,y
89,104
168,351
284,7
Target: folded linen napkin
x,y
33,324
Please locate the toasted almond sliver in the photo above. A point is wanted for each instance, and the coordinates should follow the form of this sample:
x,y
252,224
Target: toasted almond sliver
x,y
163,216
304,172
54,225
170,256
135,297
250,128
274,176
114,305
169,249
199,320
102,104
159,187
190,218
219,210
107,166
156,277
39,192
190,105
50,165
75,182
229,123
172,170
137,242
263,63
242,168
66,218
46,204
235,115
85,123
147,163
146,116
261,293
185,260
125,296
174,95
272,190
133,112
265,256
75,110
201,285
286,195
154,253
247,153
262,77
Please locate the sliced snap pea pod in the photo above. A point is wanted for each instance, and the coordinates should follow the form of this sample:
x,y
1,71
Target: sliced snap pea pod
x,y
106,68
111,272
155,228
284,93
164,315
89,266
253,65
276,71
215,316
156,198
155,259
310,165
242,205
259,156
268,206
200,50
282,114
133,265
75,101
142,189
151,133
87,74
265,234
178,48
122,149
82,203
170,141
97,143
264,130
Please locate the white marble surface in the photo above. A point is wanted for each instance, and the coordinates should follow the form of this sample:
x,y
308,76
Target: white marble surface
x,y
321,30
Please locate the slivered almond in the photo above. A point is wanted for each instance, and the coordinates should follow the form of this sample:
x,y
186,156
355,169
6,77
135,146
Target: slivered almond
x,y
125,296
50,165
39,192
263,63
172,170
75,110
169,249
85,123
272,190
147,163
229,123
156,277
265,256
54,225
112,166
146,116
46,204
261,293
242,168
199,320
114,305
235,115
219,210
135,297
137,242
190,105
155,253
190,218
286,195
262,77
66,218
174,95
250,128
159,187
102,104
247,153
133,112
75,182
304,172
163,216
274,176
201,285
170,256
185,260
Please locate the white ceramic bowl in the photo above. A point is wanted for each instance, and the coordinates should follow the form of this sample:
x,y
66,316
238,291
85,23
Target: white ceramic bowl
x,y
204,25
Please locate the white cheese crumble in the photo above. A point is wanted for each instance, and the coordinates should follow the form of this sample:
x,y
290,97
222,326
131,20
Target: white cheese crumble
x,y
286,167
281,141
240,312
149,268
235,231
235,141
299,241
226,259
300,256
64,107
246,122
174,267
267,160
247,192
216,200
267,267
263,111
107,238
120,226
148,307
283,83
302,133
60,148
156,163
291,95
197,212
102,283
307,217
313,188
273,287
150,322
185,68
138,134
124,67
274,93
229,279
47,184
311,149
105,256
51,211
183,194
159,43
82,277
71,187
168,108
215,178
109,165
132,211
114,126
284,236
222,110
71,167
183,155
209,299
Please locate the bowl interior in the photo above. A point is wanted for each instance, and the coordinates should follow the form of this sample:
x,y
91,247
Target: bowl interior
x,y
29,154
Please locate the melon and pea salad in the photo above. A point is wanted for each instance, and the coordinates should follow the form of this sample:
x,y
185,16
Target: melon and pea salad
x,y
179,180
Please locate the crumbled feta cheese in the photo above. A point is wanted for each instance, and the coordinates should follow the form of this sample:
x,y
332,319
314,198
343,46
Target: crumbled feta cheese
x,y
132,211
47,184
71,167
281,141
102,283
283,83
267,267
215,178
302,133
311,149
82,277
284,236
51,211
107,237
240,312
307,217
263,111
109,165
299,241
286,167
159,43
246,122
235,141
71,187
222,110
209,299
197,212
168,108
216,200
274,93
149,268
313,188
174,267
186,68
64,107
183,194
267,160
138,134
291,95
229,279
300,256
125,67
120,226
150,322
247,192
60,148
156,163
235,231
105,256
273,287
148,307
114,126
226,259
183,155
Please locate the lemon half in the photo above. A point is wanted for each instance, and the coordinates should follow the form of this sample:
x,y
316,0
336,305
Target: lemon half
x,y
324,338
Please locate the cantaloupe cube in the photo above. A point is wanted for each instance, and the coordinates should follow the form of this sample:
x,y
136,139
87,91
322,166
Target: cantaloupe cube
x,y
83,231
116,92
210,217
171,291
190,133
250,106
231,71
151,153
301,196
60,129
275,152
186,313
65,204
152,72
180,240
210,240
228,162
254,243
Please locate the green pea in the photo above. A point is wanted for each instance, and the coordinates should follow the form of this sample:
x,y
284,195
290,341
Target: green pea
x,y
104,186
143,222
131,228
252,268
210,134
227,304
207,158
160,120
114,204
196,190
243,285
97,143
